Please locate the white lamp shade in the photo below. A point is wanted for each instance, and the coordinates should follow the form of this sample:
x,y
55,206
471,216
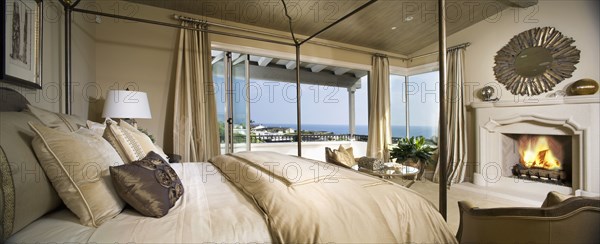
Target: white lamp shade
x,y
126,104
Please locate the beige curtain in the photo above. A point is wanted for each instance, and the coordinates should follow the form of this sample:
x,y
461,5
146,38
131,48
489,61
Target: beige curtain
x,y
457,121
195,127
380,135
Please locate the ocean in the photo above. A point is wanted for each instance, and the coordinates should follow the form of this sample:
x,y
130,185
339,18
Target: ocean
x,y
397,130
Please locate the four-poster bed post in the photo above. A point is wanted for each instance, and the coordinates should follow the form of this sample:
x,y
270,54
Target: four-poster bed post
x,y
70,8
298,104
443,130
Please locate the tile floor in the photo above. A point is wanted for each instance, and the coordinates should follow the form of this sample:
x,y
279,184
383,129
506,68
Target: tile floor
x,y
430,191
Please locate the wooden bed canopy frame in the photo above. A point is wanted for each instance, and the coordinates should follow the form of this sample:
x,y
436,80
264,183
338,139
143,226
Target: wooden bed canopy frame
x,y
71,6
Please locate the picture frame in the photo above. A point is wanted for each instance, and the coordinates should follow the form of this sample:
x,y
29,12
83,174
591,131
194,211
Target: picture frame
x,y
22,30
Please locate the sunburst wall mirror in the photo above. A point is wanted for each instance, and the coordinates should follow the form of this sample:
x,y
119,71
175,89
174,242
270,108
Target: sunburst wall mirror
x,y
535,61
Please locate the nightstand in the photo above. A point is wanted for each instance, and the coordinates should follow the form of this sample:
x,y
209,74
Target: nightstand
x,y
174,158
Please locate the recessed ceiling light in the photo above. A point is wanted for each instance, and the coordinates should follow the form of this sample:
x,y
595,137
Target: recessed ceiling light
x,y
393,28
409,18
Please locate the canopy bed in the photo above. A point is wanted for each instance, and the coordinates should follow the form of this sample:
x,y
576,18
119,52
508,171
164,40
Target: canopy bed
x,y
71,7
221,206
241,197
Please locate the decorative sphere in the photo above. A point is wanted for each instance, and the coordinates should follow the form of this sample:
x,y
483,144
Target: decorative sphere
x,y
487,92
584,87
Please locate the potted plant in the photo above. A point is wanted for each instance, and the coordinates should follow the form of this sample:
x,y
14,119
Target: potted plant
x,y
413,151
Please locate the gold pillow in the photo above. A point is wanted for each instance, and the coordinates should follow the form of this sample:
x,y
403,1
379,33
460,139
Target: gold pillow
x,y
342,156
77,164
62,122
130,143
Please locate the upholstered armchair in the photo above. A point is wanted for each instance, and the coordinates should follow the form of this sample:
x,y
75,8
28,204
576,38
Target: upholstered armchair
x,y
559,220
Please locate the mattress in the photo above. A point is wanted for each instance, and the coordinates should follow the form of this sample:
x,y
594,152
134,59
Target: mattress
x,y
210,210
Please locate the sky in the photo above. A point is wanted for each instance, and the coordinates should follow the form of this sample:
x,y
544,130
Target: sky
x,y
275,102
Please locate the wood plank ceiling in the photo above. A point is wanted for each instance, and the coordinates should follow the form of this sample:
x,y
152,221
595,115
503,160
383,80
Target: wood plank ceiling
x,y
396,26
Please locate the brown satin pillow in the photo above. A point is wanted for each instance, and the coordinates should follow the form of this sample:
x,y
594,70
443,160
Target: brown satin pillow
x,y
149,185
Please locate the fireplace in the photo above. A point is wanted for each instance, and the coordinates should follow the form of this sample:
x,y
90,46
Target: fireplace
x,y
526,149
541,158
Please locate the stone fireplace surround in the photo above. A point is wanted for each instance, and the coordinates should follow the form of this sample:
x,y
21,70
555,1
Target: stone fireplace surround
x,y
577,116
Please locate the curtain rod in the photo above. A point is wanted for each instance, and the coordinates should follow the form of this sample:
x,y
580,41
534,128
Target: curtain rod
x,y
154,22
199,21
462,45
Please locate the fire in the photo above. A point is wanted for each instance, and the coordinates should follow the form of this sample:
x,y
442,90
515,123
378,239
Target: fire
x,y
535,153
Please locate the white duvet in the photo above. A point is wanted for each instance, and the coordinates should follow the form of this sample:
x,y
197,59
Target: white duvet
x,y
210,210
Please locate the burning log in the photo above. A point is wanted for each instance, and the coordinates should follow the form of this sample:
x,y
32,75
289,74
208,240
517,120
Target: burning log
x,y
540,174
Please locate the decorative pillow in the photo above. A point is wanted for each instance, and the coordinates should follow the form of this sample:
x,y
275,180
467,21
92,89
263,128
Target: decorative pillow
x,y
62,122
554,198
370,163
130,143
26,193
342,156
149,185
77,165
95,127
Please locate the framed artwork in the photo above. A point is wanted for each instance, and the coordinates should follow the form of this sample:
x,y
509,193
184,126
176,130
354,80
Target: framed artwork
x,y
22,43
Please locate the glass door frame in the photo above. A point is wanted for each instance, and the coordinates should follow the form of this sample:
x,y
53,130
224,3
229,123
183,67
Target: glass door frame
x,y
230,92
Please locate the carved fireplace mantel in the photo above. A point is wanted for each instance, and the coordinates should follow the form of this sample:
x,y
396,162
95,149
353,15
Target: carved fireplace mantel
x,y
528,102
577,117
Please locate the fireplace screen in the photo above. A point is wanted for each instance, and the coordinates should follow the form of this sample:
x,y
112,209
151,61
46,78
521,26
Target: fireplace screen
x,y
545,158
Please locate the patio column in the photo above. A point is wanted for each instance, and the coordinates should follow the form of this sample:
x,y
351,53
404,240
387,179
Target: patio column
x,y
351,107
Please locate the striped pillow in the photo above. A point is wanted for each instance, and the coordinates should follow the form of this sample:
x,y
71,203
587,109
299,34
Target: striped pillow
x,y
130,143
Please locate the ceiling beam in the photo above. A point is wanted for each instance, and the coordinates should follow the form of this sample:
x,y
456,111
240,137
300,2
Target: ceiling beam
x,y
360,74
218,57
340,71
240,59
234,56
317,68
264,61
280,74
290,65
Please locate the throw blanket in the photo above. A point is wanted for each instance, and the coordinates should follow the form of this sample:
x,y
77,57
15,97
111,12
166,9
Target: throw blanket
x,y
306,201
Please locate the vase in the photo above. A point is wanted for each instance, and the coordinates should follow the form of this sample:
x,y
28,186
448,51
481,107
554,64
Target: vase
x,y
584,87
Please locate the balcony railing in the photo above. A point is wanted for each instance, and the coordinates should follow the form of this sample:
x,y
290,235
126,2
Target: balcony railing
x,y
305,138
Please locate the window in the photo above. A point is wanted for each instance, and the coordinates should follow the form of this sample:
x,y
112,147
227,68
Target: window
x,y
421,94
361,108
423,105
398,105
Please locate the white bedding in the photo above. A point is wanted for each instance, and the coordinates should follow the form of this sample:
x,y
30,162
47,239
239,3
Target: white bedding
x,y
211,210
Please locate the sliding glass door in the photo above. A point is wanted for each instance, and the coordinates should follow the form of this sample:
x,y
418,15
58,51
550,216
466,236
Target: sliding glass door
x,y
231,79
239,107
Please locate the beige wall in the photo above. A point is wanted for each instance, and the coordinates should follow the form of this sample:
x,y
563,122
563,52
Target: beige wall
x,y
83,32
579,20
144,55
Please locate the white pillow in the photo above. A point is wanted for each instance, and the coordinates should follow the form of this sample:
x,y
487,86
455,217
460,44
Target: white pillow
x,y
95,127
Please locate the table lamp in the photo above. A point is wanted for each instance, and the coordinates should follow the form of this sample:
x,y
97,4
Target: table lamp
x,y
126,104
